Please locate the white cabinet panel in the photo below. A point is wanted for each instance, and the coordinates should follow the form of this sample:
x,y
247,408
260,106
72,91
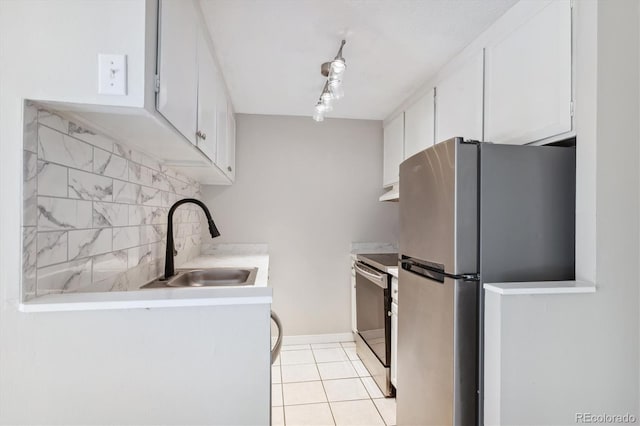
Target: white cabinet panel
x,y
222,121
419,125
178,65
528,79
394,344
208,92
230,170
459,102
354,315
393,150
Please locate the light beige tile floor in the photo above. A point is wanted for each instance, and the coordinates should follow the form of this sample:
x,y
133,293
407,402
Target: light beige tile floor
x,y
326,384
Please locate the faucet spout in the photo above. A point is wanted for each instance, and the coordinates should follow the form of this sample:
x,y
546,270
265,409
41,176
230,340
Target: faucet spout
x,y
169,269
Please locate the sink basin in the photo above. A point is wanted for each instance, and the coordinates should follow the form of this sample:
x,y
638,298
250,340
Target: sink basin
x,y
213,277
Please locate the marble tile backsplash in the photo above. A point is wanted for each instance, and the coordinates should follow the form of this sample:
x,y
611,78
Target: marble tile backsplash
x,y
95,211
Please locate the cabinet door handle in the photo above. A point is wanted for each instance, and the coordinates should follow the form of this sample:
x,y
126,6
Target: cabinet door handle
x,y
229,168
201,134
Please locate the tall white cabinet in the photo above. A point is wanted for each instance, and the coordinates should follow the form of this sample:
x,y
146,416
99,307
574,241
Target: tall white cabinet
x,y
459,99
419,125
393,151
528,79
177,98
208,93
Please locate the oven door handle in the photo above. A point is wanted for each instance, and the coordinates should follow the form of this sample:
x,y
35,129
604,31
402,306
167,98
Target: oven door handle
x,y
371,274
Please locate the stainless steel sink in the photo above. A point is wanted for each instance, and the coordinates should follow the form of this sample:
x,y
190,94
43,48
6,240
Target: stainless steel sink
x,y
212,277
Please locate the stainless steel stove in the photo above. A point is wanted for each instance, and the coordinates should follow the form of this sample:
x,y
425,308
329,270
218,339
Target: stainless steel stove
x,y
373,309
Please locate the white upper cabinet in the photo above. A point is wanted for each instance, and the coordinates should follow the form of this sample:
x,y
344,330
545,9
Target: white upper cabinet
x,y
178,65
393,150
208,93
230,170
528,79
459,102
222,140
419,125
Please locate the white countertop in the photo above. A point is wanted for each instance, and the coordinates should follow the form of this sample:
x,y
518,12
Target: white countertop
x,y
541,287
259,293
393,271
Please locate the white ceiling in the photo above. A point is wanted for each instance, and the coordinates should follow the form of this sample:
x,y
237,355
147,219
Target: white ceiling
x,y
270,51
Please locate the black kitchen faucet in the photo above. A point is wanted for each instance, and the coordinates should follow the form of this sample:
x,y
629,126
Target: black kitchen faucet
x,y
169,270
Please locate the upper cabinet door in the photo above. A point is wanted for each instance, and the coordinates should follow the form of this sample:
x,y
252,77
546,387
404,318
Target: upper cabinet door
x,y
208,92
459,102
222,141
393,150
419,125
178,65
528,79
230,171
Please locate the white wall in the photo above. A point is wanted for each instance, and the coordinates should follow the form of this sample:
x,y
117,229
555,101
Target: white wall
x,y
82,29
308,190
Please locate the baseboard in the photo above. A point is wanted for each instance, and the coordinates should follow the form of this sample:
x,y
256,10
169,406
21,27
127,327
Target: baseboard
x,y
317,338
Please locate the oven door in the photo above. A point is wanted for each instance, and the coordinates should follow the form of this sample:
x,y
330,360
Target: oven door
x,y
373,305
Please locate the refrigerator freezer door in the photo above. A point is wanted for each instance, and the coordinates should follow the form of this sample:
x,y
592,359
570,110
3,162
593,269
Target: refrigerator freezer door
x,y
436,351
438,206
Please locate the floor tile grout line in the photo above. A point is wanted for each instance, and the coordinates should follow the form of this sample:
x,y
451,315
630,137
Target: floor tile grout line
x,y
379,413
323,388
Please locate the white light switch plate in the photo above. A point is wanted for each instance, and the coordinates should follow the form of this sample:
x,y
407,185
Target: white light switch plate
x,y
112,74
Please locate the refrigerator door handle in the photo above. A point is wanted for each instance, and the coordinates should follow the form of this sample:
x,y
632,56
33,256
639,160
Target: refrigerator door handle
x,y
426,270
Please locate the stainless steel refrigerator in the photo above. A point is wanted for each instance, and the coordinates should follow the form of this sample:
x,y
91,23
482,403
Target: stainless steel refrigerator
x,y
471,213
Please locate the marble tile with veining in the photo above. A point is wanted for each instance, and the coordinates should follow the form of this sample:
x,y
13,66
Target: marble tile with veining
x,y
52,179
29,256
124,192
53,120
160,181
90,136
150,196
170,172
152,233
126,152
169,199
52,248
110,214
29,189
182,188
88,186
126,237
30,128
55,147
109,265
139,255
139,174
89,242
64,277
147,215
108,164
60,213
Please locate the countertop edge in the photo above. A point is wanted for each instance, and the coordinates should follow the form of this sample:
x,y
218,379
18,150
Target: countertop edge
x,y
541,287
62,306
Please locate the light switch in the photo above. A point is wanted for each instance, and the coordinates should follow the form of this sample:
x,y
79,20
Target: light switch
x,y
112,74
